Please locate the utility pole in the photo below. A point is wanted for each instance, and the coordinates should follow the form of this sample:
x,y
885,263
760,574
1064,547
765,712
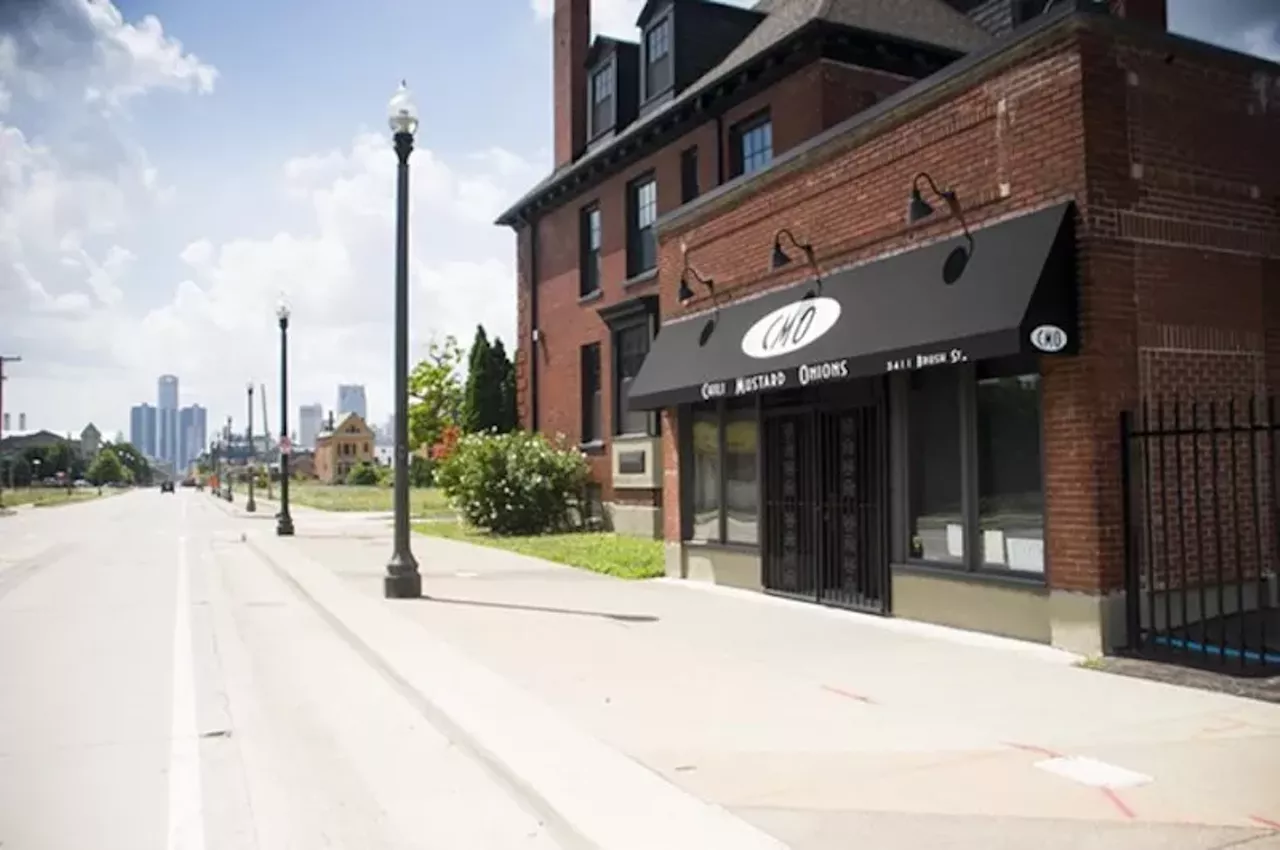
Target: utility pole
x,y
4,360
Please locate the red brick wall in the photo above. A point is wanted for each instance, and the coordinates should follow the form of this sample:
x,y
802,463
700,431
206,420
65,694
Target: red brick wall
x,y
801,106
1177,243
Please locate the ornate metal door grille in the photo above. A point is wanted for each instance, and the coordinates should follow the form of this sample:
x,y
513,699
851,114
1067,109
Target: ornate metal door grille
x,y
824,499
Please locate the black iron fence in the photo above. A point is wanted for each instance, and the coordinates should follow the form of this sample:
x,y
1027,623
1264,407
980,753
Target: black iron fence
x,y
1202,532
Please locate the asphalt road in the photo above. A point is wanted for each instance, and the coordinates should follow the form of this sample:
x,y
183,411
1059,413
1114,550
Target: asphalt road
x,y
161,687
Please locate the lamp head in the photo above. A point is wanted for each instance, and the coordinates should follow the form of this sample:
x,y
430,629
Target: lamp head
x,y
402,114
685,294
918,208
780,257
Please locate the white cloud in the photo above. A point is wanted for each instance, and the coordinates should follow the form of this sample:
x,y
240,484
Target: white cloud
x,y
1263,40
76,239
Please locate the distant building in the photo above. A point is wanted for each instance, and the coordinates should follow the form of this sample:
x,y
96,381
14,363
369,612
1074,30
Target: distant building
x,y
351,399
310,421
90,441
142,429
193,434
341,446
168,426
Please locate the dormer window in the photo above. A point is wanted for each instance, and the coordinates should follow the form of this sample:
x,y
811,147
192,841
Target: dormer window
x,y
603,100
658,70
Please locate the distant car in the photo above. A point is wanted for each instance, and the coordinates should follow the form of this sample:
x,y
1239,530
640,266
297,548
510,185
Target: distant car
x,y
166,487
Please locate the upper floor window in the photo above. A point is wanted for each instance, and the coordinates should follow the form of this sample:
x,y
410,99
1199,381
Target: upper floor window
x,y
642,212
589,262
688,175
751,144
602,100
658,76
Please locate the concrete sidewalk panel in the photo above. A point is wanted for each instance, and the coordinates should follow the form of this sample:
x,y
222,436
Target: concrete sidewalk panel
x,y
608,799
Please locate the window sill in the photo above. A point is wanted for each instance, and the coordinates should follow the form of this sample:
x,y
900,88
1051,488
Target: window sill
x,y
643,277
985,575
592,447
740,548
592,296
635,435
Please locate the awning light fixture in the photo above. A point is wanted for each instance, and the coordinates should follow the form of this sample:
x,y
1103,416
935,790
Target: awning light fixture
x,y
685,293
781,258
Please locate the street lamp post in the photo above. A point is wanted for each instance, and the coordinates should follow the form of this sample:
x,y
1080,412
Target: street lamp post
x,y
217,470
402,580
227,431
284,522
251,506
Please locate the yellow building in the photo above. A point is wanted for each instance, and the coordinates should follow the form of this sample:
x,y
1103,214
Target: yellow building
x,y
341,447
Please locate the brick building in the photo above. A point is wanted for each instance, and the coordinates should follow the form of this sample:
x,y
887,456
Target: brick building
x,y
850,308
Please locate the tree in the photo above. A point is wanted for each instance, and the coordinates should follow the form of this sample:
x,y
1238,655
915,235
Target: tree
x,y
435,393
106,468
134,461
476,402
363,475
506,372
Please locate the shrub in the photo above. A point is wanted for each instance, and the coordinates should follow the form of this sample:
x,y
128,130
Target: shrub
x,y
363,474
514,483
422,472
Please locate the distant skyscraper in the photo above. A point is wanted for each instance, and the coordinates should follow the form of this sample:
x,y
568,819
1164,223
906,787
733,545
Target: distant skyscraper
x,y
142,429
351,400
193,432
168,428
310,420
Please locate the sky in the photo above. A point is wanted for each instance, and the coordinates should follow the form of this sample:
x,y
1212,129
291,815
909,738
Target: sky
x,y
169,170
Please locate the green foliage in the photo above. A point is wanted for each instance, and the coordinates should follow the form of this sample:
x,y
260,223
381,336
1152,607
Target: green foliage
x,y
107,469
15,471
134,461
514,483
507,388
480,393
363,474
489,402
422,472
435,393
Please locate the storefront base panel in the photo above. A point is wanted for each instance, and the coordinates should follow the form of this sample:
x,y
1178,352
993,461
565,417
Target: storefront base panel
x,y
731,568
1015,612
1085,623
635,520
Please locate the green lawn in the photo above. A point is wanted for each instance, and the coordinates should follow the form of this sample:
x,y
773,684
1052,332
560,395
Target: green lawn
x,y
611,554
42,497
329,497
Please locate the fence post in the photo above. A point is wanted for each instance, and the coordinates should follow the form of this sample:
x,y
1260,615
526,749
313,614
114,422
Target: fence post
x,y
1132,588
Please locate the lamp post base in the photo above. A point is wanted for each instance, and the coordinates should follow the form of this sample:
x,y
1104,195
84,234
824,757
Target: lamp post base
x,y
402,586
250,506
284,526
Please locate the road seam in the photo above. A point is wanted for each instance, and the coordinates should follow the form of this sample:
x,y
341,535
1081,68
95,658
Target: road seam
x,y
186,798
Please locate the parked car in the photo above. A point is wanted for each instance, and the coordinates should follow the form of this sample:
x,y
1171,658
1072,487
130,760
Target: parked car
x,y
166,486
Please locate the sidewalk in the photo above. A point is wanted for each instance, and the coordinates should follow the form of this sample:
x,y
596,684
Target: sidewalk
x,y
829,730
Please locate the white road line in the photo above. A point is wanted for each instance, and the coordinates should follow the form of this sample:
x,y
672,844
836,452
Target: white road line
x,y
186,815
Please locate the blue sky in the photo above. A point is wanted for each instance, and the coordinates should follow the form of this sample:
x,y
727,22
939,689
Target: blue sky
x,y
236,150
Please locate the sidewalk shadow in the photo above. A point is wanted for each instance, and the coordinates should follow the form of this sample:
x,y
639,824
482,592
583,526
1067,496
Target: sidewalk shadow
x,y
475,603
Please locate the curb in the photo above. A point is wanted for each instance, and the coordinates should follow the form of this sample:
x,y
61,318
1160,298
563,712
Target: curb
x,y
589,794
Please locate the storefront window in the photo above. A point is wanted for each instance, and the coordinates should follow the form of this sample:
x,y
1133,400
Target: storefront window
x,y
721,472
975,483
741,434
1010,480
705,475
937,526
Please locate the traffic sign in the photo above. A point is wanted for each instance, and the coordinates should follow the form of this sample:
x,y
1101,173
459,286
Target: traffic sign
x,y
285,445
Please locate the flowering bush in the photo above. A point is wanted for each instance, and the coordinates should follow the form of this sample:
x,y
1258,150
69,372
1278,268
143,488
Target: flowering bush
x,y
448,442
515,483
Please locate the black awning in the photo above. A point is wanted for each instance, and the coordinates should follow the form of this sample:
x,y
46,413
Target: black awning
x,y
1015,294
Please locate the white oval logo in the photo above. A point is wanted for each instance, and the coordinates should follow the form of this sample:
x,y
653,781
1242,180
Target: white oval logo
x,y
790,328
1049,338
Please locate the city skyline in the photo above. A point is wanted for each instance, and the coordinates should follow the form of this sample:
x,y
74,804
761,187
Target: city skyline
x,y
168,431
